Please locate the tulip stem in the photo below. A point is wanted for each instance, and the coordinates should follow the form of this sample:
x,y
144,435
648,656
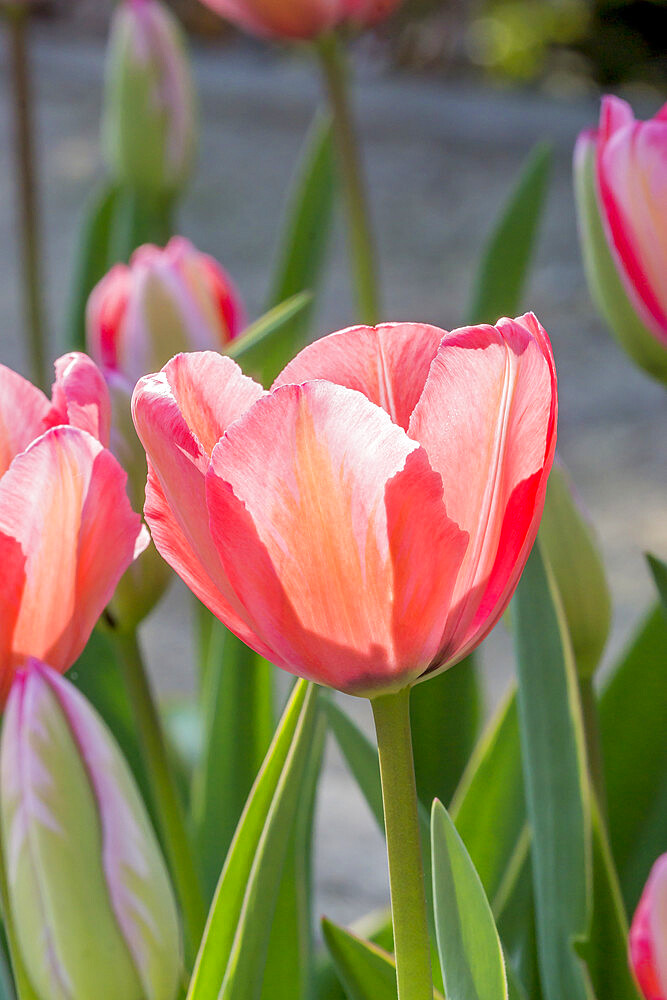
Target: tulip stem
x,y
362,250
17,17
406,872
165,793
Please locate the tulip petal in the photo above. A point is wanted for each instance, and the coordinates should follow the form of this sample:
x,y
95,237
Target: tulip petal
x,y
297,19
648,934
12,582
24,415
487,421
388,363
312,496
179,415
64,502
80,396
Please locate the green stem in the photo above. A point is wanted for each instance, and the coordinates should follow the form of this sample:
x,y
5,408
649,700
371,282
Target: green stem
x,y
589,708
167,802
362,260
17,24
406,873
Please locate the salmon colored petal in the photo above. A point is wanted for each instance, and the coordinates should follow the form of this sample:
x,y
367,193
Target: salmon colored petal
x,y
24,415
312,497
12,582
388,363
63,500
487,421
80,396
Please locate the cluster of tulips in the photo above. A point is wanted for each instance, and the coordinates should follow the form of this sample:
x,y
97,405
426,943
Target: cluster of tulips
x,y
358,510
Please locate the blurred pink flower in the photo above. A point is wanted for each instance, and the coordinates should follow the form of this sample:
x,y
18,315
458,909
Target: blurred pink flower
x,y
648,935
301,19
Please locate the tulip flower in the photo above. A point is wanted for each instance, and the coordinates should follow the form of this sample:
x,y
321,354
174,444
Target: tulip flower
x,y
301,19
89,895
67,531
648,935
149,115
365,523
621,183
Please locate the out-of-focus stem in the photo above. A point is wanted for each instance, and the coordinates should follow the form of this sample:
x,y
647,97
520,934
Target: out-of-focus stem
x,y
17,26
362,251
406,871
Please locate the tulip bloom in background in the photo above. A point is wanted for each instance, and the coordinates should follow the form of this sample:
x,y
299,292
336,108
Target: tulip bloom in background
x,y
621,185
301,19
67,531
90,899
364,524
149,116
648,935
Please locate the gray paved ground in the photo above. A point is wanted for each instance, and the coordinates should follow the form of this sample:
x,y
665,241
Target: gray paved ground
x,y
440,158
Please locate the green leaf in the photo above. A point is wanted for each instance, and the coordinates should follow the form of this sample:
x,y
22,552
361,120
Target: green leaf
x,y
304,241
361,756
138,219
557,793
237,708
445,715
366,971
232,956
633,723
515,919
471,956
265,346
659,570
504,267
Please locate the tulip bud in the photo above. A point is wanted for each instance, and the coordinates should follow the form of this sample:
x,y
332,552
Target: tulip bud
x,y
620,173
90,899
570,545
148,126
648,935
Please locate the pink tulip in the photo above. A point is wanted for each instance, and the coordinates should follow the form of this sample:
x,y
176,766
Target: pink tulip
x,y
364,523
301,19
166,300
67,531
648,935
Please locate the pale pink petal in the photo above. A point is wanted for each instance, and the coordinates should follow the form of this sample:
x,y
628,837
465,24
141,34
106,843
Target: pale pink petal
x,y
648,935
487,421
313,497
80,396
64,502
388,363
24,415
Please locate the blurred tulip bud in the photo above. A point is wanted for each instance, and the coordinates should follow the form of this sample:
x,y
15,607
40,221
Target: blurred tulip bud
x,y
301,19
149,116
620,174
89,894
569,543
648,935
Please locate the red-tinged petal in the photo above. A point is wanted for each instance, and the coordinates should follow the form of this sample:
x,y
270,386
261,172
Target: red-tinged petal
x,y
64,502
388,363
105,316
312,497
648,935
12,582
24,415
487,421
80,396
297,19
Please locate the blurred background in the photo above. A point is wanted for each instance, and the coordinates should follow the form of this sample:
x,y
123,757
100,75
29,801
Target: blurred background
x,y
451,97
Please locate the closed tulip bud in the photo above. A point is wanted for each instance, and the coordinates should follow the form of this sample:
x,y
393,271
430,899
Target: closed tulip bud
x,y
89,895
648,935
571,547
620,174
301,19
149,118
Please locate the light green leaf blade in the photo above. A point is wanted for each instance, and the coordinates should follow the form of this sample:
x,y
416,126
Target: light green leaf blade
x,y
271,335
557,793
633,723
504,267
471,957
230,964
92,261
361,756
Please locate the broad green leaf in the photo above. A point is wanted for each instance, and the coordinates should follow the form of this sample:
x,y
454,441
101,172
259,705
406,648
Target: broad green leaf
x,y
366,971
502,273
633,723
361,756
138,219
515,919
471,956
92,261
238,724
289,963
230,964
489,806
659,570
303,244
445,716
557,793
259,345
